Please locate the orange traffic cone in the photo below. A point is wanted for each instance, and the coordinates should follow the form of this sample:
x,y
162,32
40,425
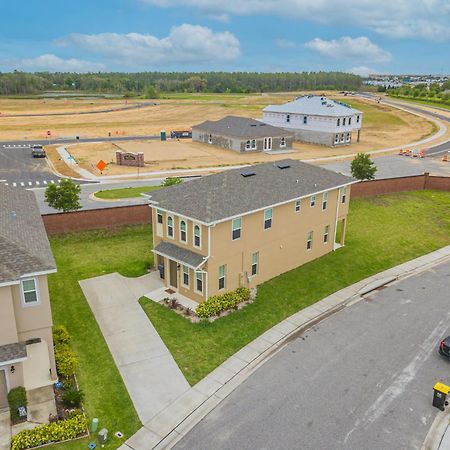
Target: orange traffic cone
x,y
400,152
422,153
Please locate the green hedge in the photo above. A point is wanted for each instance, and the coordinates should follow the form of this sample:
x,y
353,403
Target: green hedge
x,y
17,397
218,303
62,430
66,361
61,335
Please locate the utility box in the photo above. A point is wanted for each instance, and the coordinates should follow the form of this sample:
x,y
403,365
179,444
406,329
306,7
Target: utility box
x,y
103,436
440,394
163,135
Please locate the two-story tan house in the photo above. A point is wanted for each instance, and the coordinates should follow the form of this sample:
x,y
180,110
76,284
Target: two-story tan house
x,y
244,226
26,343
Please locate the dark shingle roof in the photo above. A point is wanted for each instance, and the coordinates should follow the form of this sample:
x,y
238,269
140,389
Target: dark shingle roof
x,y
182,255
12,352
24,247
226,194
241,127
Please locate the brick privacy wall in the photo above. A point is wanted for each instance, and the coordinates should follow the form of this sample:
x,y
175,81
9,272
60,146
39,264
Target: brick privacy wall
x,y
141,214
97,218
402,184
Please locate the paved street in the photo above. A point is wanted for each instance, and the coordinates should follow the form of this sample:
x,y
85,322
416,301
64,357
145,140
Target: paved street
x,y
362,379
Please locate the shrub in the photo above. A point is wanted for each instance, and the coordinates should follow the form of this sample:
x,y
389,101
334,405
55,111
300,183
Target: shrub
x,y
218,303
72,397
17,397
61,430
66,361
171,181
60,335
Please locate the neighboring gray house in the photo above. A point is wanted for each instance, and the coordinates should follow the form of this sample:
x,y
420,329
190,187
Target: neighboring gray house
x,y
316,119
242,134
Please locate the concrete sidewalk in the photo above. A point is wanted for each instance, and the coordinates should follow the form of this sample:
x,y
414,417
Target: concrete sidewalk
x,y
177,419
149,371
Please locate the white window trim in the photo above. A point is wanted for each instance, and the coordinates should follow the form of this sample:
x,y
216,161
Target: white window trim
x,y
311,205
344,194
283,142
224,277
210,139
325,201
195,283
326,233
234,229
254,144
299,204
309,240
185,233
193,235
182,276
270,218
252,264
173,227
248,144
22,293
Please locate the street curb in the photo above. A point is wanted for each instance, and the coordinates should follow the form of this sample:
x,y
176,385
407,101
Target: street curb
x,y
169,426
436,432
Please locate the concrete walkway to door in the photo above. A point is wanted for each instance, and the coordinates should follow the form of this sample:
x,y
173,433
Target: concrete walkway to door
x,y
149,371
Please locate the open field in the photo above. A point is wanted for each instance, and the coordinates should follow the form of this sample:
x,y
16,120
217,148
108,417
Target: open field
x,y
420,101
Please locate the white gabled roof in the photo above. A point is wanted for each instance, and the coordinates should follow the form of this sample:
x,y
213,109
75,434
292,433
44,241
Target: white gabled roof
x,y
314,105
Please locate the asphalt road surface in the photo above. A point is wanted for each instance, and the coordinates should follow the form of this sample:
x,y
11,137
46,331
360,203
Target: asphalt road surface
x,y
361,379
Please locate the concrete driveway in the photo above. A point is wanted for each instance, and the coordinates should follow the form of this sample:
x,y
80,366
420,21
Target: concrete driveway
x,y
149,371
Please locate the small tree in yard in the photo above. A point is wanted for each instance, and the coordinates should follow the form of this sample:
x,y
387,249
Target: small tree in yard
x,y
362,167
170,181
65,197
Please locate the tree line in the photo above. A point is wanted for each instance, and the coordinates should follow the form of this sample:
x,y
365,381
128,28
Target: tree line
x,y
434,92
129,84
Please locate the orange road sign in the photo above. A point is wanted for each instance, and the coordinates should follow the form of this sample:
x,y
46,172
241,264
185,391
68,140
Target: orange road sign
x,y
101,165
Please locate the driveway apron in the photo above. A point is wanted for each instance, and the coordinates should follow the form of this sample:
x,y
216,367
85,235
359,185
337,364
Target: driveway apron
x,y
149,371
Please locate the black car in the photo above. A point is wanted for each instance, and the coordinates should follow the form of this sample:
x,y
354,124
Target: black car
x,y
38,151
444,347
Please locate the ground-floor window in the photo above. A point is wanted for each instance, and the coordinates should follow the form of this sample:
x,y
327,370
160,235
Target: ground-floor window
x,y
309,240
186,276
348,137
336,139
199,282
326,233
253,144
342,137
222,274
283,142
248,145
210,139
255,263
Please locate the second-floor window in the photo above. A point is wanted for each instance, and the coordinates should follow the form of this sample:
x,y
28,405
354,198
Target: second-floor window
x,y
159,216
324,201
309,240
312,201
236,228
326,233
183,234
357,119
344,194
197,236
343,121
268,218
170,226
338,122
222,274
29,291
255,262
298,205
186,276
349,120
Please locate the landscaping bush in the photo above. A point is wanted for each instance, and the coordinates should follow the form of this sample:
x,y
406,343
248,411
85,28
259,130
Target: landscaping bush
x,y
17,397
66,361
60,335
218,303
61,430
72,397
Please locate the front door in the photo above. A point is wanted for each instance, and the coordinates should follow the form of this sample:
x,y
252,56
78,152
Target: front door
x,y
3,390
173,274
268,143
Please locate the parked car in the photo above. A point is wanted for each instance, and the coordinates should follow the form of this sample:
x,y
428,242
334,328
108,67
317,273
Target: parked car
x,y
181,134
38,151
444,347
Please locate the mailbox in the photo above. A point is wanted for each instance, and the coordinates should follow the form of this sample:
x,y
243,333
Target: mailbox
x,y
440,394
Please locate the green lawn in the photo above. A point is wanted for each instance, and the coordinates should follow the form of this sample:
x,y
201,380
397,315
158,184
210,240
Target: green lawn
x,y
421,101
117,194
85,255
382,232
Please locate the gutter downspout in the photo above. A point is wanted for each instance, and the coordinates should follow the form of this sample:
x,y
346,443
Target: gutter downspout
x,y
337,215
207,258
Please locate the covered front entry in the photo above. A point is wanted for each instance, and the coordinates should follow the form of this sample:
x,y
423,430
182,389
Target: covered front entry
x,y
173,274
3,390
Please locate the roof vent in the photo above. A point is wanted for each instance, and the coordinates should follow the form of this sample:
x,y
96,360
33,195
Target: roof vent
x,y
283,166
248,174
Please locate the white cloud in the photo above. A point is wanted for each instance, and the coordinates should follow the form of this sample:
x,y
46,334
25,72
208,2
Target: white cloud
x,y
184,44
362,71
359,49
284,43
427,19
52,63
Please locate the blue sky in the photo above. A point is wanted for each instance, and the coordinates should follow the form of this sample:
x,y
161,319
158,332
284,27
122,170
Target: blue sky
x,y
362,36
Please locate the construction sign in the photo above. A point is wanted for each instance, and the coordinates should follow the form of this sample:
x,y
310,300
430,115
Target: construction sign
x,y
101,165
